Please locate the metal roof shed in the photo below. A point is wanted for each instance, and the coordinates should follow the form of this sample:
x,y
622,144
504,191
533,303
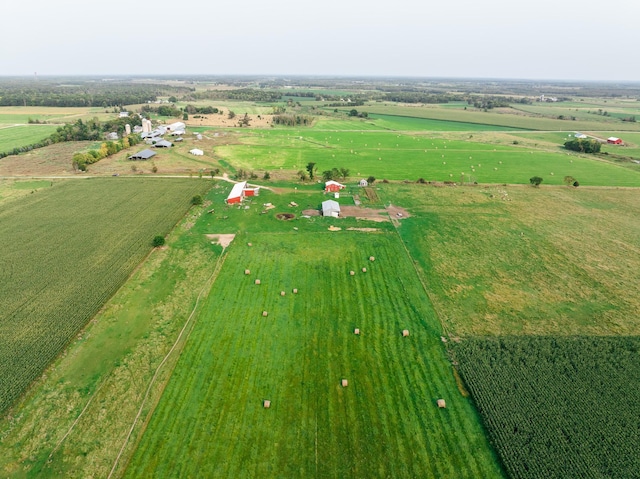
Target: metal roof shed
x,y
143,155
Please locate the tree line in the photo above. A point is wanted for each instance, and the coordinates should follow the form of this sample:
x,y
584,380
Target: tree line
x,y
91,130
81,160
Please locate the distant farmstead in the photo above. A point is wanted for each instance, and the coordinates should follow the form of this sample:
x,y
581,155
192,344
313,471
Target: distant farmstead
x,y
612,140
331,208
333,186
239,191
143,155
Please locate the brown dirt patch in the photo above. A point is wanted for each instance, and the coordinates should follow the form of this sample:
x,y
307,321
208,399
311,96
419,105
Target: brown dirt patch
x,y
394,210
360,213
311,212
223,121
223,240
366,230
285,216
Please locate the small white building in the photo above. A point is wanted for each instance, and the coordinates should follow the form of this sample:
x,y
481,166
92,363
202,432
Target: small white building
x,y
196,152
580,135
331,208
124,114
177,126
363,182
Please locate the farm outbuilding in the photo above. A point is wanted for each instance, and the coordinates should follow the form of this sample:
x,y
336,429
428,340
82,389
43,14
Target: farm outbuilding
x,y
240,190
333,186
143,155
363,183
331,208
612,140
236,193
177,126
196,152
162,144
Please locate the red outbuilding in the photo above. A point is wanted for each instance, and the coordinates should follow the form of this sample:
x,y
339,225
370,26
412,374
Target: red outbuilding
x,y
333,186
612,140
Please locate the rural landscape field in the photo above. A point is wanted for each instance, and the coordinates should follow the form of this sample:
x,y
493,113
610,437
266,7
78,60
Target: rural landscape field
x,y
472,311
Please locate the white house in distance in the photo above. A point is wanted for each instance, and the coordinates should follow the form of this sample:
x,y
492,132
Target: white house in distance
x,y
580,135
196,152
239,191
331,208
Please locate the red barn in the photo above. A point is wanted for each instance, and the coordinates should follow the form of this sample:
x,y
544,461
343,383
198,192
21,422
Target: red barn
x,y
251,191
236,193
333,186
614,141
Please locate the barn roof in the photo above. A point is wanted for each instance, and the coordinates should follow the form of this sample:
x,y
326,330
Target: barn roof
x,y
163,144
143,155
237,189
331,182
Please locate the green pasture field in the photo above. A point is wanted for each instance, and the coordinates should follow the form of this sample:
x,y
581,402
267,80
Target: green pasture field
x,y
558,407
17,136
211,420
392,122
397,156
520,260
57,115
66,250
497,119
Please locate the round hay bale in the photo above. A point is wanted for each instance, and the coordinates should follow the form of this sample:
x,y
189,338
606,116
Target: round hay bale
x,y
265,314
249,244
295,291
352,273
282,293
372,258
257,281
441,403
246,271
364,270
345,383
405,333
356,331
266,403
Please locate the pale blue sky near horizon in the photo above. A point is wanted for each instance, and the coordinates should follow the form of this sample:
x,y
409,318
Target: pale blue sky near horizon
x,y
543,39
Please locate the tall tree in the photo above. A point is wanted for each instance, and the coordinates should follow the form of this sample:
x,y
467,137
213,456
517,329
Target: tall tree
x,y
311,169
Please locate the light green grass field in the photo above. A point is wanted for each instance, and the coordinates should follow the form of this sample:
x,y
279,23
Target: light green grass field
x,y
17,136
524,260
397,156
211,420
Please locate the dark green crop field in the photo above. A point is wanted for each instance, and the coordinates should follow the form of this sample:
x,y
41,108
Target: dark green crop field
x,y
65,251
558,407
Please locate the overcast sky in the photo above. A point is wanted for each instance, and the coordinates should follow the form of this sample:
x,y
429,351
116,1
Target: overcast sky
x,y
531,39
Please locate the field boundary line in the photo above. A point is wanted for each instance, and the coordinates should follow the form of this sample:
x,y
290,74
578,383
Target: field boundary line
x,y
206,287
445,332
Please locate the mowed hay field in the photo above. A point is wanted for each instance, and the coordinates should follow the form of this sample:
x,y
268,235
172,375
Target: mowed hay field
x,y
396,155
211,421
66,250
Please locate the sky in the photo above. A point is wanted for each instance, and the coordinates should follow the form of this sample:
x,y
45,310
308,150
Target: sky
x,y
530,39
